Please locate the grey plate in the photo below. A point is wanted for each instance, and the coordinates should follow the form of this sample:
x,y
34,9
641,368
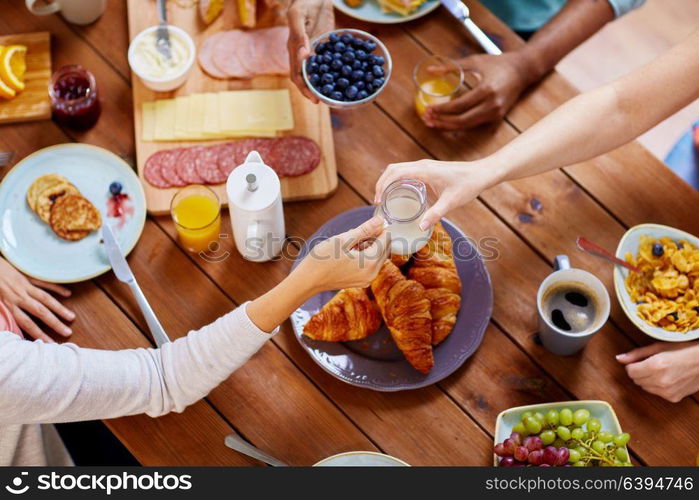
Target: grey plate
x,y
375,362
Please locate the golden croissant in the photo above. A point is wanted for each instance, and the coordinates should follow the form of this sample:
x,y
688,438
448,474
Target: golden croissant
x,y
406,311
434,268
350,315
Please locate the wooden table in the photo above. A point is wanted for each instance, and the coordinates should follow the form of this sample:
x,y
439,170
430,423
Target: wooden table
x,y
281,400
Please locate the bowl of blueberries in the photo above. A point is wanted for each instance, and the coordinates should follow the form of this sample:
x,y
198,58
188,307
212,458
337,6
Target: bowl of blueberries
x,y
348,68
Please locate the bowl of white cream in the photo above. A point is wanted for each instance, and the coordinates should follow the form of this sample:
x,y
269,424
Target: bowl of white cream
x,y
153,68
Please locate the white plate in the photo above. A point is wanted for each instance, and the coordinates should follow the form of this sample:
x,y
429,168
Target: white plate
x,y
629,243
30,244
370,11
361,459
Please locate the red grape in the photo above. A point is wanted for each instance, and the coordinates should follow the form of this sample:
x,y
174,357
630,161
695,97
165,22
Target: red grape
x,y
533,443
499,450
507,462
535,457
563,455
544,465
550,455
510,446
521,453
516,437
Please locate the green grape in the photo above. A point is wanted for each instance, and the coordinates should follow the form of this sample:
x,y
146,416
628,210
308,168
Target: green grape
x,y
605,437
540,416
594,425
622,454
628,464
559,443
582,450
519,427
622,439
580,417
563,432
578,434
579,464
533,425
552,417
618,463
565,417
599,446
547,437
526,415
574,456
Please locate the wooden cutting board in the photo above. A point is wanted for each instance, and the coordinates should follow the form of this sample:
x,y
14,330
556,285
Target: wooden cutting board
x,y
33,102
310,120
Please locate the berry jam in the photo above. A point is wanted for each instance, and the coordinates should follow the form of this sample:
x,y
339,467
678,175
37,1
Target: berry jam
x,y
120,207
74,98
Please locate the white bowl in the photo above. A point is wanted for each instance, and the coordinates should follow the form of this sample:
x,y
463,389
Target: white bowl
x,y
361,459
171,82
629,243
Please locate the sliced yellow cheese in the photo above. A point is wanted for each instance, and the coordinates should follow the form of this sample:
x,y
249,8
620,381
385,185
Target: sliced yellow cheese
x,y
148,121
255,110
164,120
181,117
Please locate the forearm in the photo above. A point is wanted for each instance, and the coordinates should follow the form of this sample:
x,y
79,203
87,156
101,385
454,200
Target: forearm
x,y
575,23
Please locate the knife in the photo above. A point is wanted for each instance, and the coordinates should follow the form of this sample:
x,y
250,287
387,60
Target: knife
x,y
123,273
457,9
162,36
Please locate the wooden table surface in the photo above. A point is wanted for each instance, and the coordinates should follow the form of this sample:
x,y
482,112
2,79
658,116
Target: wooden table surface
x,y
281,400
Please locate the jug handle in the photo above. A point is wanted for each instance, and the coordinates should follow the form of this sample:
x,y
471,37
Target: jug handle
x,y
253,231
253,157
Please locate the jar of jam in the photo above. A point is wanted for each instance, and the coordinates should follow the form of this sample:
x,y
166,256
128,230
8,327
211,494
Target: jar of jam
x,y
74,98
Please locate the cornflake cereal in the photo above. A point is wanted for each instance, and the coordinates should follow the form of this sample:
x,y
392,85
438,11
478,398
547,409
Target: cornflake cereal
x,y
666,291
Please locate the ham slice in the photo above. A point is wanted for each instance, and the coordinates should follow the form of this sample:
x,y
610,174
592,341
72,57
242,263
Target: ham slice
x,y
206,57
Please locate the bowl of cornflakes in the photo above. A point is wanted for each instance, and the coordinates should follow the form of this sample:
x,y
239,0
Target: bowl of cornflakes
x,y
663,299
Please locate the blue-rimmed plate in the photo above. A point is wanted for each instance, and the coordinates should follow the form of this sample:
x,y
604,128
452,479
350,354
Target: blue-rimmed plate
x,y
375,362
370,11
30,244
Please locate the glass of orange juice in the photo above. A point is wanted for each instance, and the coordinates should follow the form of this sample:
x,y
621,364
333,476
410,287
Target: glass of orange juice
x,y
438,80
196,211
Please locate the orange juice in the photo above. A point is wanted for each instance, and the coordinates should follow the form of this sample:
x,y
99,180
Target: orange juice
x,y
432,92
197,216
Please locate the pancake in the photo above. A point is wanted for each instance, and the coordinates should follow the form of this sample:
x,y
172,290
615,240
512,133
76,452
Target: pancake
x,y
40,184
74,217
49,196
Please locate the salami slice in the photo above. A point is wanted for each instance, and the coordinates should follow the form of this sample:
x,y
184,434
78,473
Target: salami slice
x,y
206,57
207,165
152,170
186,165
293,156
230,156
168,169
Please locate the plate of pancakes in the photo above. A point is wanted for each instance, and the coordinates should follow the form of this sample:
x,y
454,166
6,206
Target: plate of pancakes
x,y
53,204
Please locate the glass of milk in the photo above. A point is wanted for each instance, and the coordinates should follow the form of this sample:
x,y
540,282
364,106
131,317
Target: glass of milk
x,y
403,204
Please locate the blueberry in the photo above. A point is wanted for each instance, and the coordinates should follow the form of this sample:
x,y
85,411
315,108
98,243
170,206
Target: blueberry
x,y
357,75
337,55
371,59
658,249
377,70
361,84
362,94
378,82
351,92
346,70
357,64
323,68
337,95
348,56
368,77
335,74
115,187
321,47
312,67
361,55
365,65
379,60
346,38
334,37
336,64
313,59
327,58
369,46
314,78
358,43
327,78
339,47
327,89
680,245
342,83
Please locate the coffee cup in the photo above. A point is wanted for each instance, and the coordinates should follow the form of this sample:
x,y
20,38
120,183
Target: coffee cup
x,y
572,305
74,11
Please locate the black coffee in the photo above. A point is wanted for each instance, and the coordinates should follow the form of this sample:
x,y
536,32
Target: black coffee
x,y
571,307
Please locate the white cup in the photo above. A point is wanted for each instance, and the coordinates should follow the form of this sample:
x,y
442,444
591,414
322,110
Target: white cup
x,y
74,11
559,341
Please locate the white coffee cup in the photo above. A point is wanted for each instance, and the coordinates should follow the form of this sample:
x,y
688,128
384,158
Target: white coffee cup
x,y
555,339
74,11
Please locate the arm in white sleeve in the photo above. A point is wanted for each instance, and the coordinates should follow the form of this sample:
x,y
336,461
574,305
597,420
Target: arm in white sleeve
x,y
47,383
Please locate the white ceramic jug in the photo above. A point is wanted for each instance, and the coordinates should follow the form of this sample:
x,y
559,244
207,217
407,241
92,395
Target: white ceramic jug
x,y
255,204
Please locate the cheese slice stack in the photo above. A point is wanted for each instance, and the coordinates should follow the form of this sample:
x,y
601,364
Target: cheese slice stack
x,y
218,115
402,7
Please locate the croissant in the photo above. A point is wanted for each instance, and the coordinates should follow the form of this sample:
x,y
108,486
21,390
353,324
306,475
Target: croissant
x,y
406,311
434,268
350,315
399,260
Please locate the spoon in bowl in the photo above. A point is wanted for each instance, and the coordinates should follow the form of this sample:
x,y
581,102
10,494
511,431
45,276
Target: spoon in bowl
x,y
596,250
238,444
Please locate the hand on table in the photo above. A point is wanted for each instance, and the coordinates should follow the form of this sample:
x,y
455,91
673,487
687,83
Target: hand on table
x,y
669,370
501,81
307,19
24,296
456,183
